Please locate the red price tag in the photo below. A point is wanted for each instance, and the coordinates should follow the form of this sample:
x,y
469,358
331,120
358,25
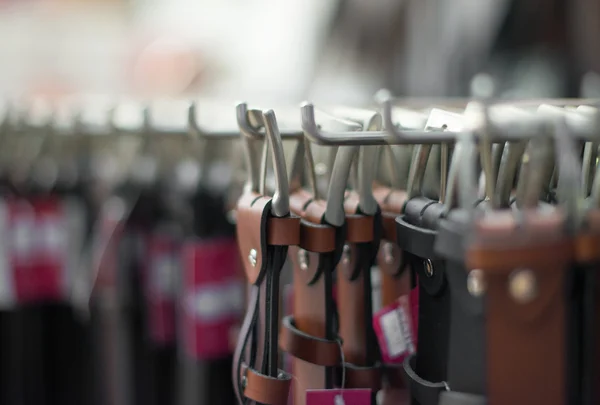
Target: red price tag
x,y
159,276
20,230
394,329
355,396
38,250
213,297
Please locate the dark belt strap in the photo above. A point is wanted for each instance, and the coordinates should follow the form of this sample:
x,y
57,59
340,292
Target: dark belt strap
x,y
466,371
587,350
434,299
422,391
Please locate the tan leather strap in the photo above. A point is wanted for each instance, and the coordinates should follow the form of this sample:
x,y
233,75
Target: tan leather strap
x,y
264,389
267,390
587,248
256,229
316,237
283,231
354,301
319,351
359,228
526,337
394,282
305,337
252,215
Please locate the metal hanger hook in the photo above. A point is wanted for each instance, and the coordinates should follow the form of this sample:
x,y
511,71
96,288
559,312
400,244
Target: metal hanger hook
x,y
281,198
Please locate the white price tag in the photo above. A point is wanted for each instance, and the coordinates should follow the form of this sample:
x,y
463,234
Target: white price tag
x,y
393,332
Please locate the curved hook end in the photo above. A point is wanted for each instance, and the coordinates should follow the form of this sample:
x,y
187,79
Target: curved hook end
x,y
281,203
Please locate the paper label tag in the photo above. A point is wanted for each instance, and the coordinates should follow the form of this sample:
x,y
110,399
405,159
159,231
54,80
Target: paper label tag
x,y
354,396
213,296
394,329
159,275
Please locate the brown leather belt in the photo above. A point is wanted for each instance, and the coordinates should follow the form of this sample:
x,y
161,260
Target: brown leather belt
x,y
263,241
361,351
395,282
310,334
525,264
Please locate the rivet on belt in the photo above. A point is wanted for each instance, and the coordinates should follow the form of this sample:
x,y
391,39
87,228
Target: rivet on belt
x,y
252,257
346,254
522,285
388,253
476,283
303,259
428,267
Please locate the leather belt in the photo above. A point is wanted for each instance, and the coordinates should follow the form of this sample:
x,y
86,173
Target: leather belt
x,y
354,299
525,264
466,370
587,349
263,241
395,281
417,232
310,334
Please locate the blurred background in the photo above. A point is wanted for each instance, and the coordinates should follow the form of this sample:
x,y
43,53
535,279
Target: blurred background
x,y
337,49
123,286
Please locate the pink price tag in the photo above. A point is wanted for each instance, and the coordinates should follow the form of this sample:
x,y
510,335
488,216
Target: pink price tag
x,y
38,249
355,396
394,329
213,296
159,276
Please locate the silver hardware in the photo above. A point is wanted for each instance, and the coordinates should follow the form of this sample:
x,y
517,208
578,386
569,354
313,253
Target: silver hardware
x,y
303,259
257,168
244,382
321,169
522,285
428,267
252,257
281,375
346,254
388,252
476,282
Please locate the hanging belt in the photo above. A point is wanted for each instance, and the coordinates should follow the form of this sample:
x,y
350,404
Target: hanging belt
x,y
263,241
466,366
395,280
310,334
525,264
587,349
417,232
355,307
